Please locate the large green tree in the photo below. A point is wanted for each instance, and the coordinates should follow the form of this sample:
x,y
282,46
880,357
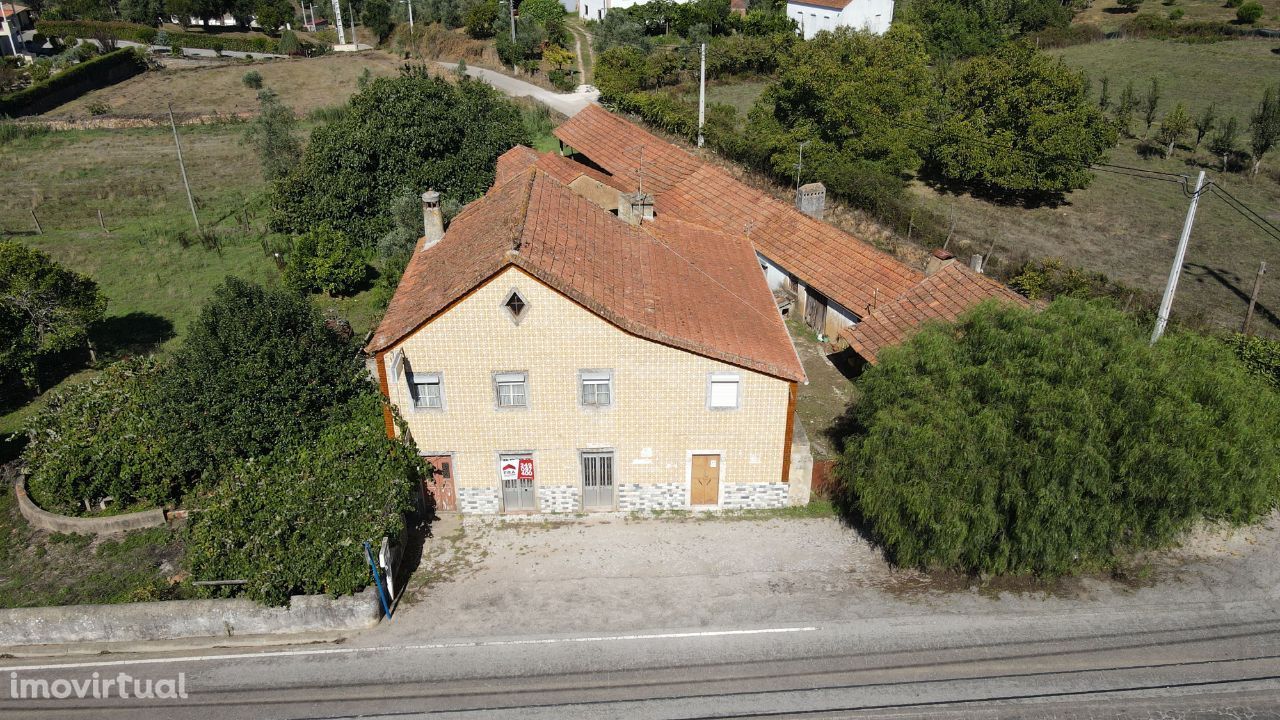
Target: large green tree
x,y
850,96
44,309
257,367
1018,121
411,131
1018,441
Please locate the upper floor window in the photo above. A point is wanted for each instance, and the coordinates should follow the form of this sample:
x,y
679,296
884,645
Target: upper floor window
x,y
724,391
596,387
427,390
512,389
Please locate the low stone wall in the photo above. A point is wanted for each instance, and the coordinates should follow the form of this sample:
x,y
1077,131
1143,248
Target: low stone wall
x,y
139,121
478,501
560,498
174,619
45,520
753,496
654,496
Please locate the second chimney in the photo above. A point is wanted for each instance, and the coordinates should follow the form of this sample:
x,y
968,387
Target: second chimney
x,y
432,221
811,199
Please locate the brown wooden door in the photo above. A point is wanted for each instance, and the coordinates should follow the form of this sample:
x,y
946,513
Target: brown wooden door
x,y
440,484
705,480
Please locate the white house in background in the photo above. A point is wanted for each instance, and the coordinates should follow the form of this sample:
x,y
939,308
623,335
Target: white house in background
x,y
597,9
814,16
14,21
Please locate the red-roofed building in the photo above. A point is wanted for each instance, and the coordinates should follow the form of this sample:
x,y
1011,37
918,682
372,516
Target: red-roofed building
x,y
560,349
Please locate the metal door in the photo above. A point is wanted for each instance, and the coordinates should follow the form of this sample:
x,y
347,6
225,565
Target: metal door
x,y
597,481
440,484
517,483
705,480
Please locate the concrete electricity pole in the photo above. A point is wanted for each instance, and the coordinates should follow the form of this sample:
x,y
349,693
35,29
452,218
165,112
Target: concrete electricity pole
x,y
1166,302
183,167
337,20
511,10
702,94
1253,299
354,39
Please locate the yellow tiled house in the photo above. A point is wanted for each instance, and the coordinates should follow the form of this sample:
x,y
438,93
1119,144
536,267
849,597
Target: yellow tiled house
x,y
551,353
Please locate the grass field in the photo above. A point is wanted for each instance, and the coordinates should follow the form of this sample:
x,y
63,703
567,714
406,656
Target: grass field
x,y
1232,73
198,87
1108,15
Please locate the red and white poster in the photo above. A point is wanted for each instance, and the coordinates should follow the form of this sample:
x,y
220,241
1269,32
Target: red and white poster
x,y
517,467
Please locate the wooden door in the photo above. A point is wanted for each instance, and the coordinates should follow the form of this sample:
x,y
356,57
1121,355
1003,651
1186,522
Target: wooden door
x,y
705,480
815,311
440,484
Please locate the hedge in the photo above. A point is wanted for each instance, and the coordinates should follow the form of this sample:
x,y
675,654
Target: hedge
x,y
146,34
82,77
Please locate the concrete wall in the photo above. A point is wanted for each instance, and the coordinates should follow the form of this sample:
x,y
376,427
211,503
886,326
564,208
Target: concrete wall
x,y
173,619
659,414
110,524
597,9
871,15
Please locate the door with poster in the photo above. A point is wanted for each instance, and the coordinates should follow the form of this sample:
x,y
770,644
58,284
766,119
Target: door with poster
x,y
517,482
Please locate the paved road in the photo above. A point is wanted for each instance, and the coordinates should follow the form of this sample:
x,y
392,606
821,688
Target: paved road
x,y
567,104
1170,662
703,618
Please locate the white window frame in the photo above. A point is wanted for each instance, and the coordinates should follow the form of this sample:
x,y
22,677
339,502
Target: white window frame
x,y
418,380
595,377
511,378
717,378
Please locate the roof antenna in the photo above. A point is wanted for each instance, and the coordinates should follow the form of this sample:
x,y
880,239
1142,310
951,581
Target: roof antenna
x,y
639,167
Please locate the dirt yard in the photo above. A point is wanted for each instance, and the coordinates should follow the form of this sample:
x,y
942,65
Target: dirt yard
x,y
500,577
303,84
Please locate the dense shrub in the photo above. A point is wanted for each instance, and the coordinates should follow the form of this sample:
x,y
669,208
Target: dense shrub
x,y
1051,278
117,61
411,131
1249,13
1160,28
1060,37
103,438
292,522
1025,442
44,309
1260,355
326,260
252,80
257,367
146,34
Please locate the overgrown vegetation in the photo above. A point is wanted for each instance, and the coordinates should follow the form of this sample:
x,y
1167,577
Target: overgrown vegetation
x,y
1079,441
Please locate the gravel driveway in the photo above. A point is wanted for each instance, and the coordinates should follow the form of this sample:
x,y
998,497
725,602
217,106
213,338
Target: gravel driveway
x,y
618,573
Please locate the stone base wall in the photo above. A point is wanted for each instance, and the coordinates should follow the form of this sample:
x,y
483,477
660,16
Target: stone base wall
x,y
754,496
559,498
479,501
658,496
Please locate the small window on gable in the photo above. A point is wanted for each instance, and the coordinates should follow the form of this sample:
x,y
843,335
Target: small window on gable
x,y
516,305
724,392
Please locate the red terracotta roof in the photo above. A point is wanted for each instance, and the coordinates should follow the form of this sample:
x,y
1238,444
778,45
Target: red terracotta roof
x,y
840,266
829,4
944,296
670,282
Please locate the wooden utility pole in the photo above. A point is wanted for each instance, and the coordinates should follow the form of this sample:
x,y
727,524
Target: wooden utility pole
x,y
1253,298
183,167
102,224
36,220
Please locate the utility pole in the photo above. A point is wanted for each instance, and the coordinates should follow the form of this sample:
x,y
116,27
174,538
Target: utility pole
x,y
337,20
1166,302
702,94
511,10
410,3
183,166
354,40
1253,299
800,165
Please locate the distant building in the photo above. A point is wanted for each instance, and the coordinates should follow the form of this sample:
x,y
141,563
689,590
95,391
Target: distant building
x,y
814,16
15,20
597,9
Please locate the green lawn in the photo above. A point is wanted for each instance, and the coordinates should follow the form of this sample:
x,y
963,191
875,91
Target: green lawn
x,y
1231,73
153,268
38,568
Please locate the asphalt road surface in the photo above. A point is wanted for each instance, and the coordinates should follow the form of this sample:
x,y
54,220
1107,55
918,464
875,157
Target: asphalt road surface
x,y
1174,661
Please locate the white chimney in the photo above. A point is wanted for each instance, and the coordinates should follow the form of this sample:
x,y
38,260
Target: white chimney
x,y
432,221
976,262
811,199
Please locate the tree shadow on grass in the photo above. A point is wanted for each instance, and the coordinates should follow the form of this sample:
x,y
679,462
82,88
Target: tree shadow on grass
x,y
136,333
996,196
